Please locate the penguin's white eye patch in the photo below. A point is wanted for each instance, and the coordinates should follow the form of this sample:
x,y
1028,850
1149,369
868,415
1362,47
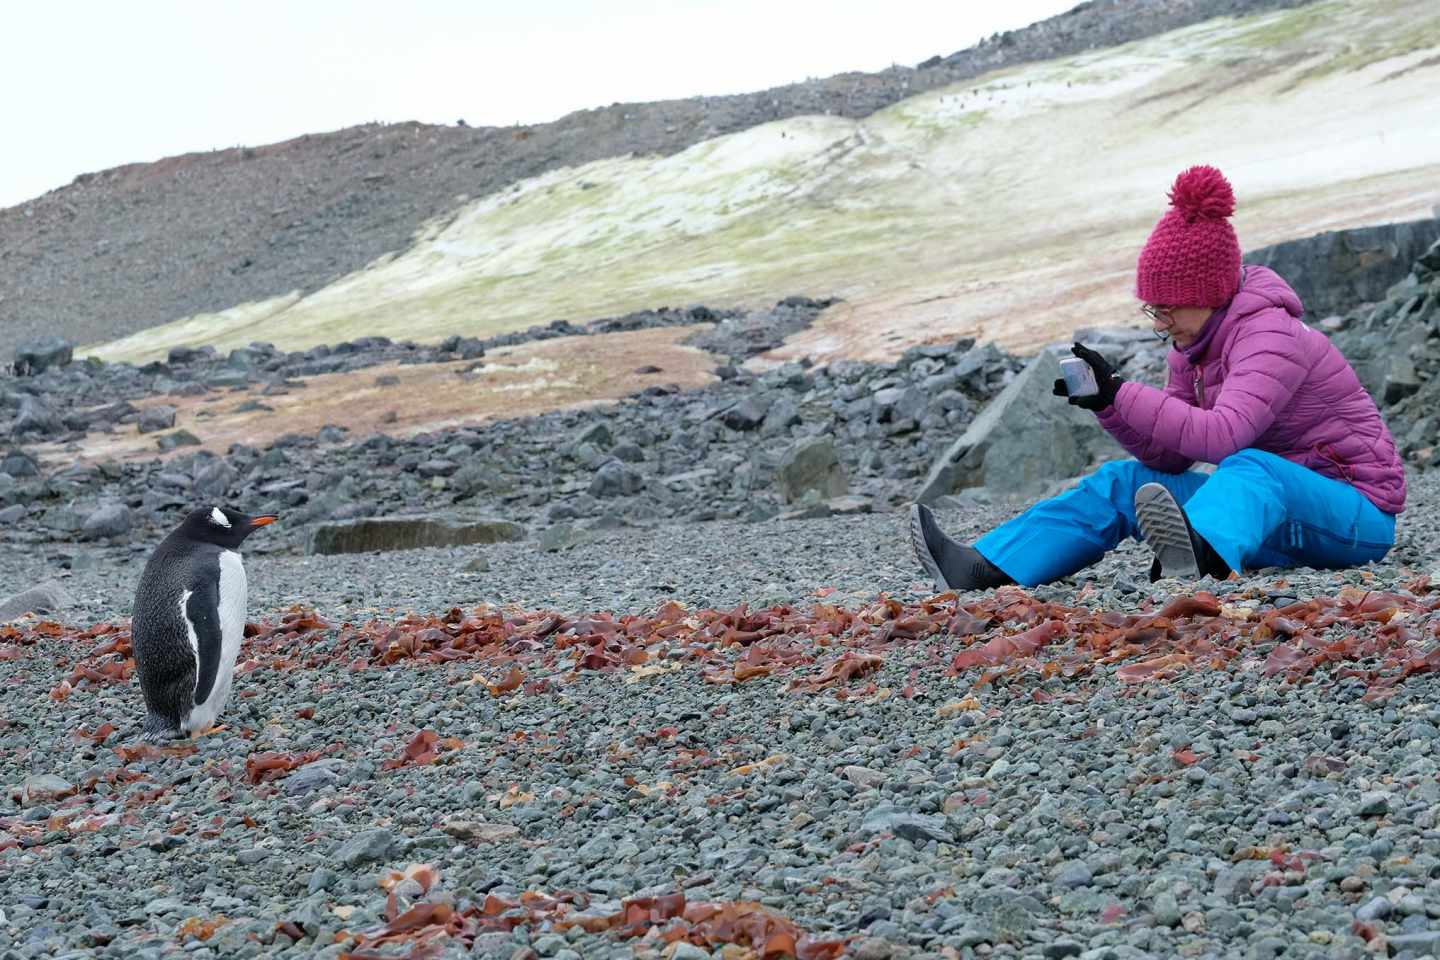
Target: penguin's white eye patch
x,y
217,517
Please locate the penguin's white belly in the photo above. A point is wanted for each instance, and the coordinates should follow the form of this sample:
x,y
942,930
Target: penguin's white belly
x,y
233,587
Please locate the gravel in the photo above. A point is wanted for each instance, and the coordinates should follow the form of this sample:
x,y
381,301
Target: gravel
x,y
986,819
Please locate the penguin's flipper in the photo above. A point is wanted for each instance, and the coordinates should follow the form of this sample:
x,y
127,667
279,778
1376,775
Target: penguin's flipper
x,y
202,616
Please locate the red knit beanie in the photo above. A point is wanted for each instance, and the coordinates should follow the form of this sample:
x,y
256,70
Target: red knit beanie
x,y
1192,258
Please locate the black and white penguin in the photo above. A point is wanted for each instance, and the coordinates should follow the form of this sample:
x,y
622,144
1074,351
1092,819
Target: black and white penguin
x,y
188,620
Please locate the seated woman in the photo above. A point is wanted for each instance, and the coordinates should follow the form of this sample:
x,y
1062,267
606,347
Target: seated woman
x,y
1307,473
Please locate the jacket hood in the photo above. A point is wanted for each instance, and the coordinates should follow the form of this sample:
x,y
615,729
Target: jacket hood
x,y
1260,289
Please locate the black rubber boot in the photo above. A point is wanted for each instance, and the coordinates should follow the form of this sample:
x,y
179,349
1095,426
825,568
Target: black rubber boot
x,y
953,566
1179,550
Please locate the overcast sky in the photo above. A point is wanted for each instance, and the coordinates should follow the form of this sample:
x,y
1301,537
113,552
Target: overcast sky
x,y
92,85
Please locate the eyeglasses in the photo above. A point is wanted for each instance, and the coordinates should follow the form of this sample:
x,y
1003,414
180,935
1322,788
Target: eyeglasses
x,y
1155,314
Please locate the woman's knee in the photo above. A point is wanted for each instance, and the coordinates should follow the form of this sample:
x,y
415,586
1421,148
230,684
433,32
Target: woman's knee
x,y
1125,471
1248,457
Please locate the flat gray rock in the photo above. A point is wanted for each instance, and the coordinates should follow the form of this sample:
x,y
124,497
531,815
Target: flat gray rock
x,y
381,534
313,776
915,827
368,847
47,597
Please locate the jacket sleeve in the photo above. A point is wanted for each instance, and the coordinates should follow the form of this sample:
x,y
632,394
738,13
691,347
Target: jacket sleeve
x,y
1141,446
1263,371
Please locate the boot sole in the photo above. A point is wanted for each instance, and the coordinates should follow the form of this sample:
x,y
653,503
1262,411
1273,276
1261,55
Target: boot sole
x,y
919,544
1163,525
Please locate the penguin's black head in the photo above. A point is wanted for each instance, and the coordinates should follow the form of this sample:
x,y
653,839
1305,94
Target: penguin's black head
x,y
221,526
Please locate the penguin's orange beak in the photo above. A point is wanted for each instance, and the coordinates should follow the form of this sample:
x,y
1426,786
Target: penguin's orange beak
x,y
263,521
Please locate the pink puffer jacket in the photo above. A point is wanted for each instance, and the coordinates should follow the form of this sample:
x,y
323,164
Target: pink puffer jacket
x,y
1258,377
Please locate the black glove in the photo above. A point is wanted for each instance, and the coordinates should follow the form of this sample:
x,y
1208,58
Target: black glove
x,y
1105,376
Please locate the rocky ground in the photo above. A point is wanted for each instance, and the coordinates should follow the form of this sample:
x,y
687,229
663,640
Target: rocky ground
x,y
824,770
848,438
208,231
820,767
792,441
688,718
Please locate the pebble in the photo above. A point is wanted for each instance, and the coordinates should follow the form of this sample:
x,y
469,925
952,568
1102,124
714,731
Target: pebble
x,y
1374,803
1166,910
871,948
1377,908
863,776
1073,875
366,847
1427,942
688,951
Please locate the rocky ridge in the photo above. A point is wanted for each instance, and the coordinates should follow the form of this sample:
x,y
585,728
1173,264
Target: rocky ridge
x,y
789,442
1394,346
66,401
660,456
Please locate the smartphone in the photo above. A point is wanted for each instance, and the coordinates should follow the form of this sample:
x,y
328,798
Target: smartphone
x,y
1079,377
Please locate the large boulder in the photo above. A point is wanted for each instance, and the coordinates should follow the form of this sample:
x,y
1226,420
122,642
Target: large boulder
x,y
1023,442
782,415
179,356
597,433
381,534
244,358
811,465
1337,271
38,355
214,480
108,520
748,414
615,479
18,463
227,377
159,417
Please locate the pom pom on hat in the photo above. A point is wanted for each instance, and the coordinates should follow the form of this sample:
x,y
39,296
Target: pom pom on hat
x,y
1192,258
1202,192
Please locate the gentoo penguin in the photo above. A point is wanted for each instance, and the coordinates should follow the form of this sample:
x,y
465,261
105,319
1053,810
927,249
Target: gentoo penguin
x,y
188,619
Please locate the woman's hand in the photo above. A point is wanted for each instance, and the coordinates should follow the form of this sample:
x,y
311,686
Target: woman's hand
x,y
1105,376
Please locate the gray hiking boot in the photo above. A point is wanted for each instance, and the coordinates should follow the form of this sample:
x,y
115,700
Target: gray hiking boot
x,y
1179,550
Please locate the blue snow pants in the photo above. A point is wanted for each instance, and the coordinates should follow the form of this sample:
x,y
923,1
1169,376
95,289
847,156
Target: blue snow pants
x,y
1257,510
